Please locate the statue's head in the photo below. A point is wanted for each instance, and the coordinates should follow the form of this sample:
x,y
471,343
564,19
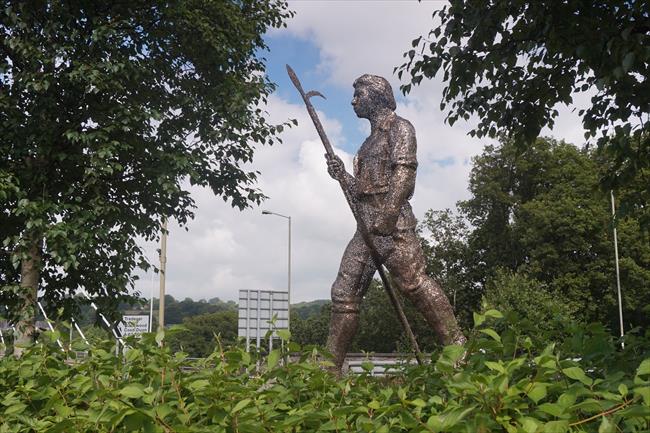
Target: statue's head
x,y
372,93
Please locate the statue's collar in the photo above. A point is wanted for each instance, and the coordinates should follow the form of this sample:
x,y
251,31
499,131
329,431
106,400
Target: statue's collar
x,y
387,122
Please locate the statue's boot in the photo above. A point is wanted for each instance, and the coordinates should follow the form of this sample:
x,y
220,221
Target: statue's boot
x,y
433,304
343,327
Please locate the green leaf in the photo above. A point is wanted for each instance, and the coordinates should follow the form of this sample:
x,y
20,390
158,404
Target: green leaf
x,y
160,336
552,409
418,402
529,425
239,406
644,392
606,426
478,319
496,366
566,400
577,373
637,411
435,423
132,391
453,352
589,405
162,410
284,334
494,313
537,392
644,368
15,409
556,426
454,416
198,385
63,426
492,333
273,358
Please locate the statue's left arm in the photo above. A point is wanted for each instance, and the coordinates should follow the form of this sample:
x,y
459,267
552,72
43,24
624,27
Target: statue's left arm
x,y
402,181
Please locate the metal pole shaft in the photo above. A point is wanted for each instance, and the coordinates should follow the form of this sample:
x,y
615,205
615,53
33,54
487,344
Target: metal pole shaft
x,y
163,270
289,280
74,322
151,303
618,274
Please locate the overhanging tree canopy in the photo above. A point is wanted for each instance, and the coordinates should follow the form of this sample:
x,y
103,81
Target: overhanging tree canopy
x,y
511,62
109,112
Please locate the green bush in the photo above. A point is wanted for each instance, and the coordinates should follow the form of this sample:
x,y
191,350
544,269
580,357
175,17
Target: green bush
x,y
533,309
501,384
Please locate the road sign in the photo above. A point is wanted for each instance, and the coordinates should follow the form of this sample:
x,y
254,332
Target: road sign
x,y
134,325
256,308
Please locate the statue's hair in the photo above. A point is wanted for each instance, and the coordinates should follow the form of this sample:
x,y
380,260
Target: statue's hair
x,y
380,89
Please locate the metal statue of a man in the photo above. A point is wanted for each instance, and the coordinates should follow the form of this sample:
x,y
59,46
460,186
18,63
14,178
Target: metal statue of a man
x,y
382,184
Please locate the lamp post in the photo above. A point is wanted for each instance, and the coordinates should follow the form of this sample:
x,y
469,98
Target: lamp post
x,y
288,218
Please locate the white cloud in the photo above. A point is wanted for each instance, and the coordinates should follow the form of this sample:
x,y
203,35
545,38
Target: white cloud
x,y
225,250
360,37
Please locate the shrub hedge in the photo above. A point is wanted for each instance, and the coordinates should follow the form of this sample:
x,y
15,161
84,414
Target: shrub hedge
x,y
498,383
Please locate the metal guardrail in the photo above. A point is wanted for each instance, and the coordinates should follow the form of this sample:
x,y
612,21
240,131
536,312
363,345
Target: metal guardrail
x,y
382,363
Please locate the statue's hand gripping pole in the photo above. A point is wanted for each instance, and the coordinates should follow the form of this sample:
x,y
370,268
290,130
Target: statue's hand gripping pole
x,y
363,229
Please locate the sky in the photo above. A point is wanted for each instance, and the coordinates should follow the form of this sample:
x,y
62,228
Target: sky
x,y
329,44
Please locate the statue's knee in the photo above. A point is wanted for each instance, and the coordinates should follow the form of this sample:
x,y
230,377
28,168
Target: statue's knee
x,y
342,305
344,299
409,285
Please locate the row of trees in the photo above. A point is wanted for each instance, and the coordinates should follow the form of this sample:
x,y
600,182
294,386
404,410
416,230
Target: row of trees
x,y
540,214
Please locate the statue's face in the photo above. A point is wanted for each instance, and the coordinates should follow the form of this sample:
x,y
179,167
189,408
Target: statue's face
x,y
362,102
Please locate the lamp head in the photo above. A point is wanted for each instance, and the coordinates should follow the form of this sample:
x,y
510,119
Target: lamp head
x,y
265,212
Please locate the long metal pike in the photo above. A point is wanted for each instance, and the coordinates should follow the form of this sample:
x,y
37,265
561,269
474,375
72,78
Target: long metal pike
x,y
363,229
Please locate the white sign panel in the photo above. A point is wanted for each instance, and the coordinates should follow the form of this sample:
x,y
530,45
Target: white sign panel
x,y
257,308
134,325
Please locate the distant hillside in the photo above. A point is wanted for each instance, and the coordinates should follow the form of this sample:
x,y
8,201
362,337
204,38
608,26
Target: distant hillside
x,y
177,310
308,309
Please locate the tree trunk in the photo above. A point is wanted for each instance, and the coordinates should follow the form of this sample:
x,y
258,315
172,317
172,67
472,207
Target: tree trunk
x,y
29,278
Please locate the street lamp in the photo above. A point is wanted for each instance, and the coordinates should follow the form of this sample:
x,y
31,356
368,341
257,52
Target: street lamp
x,y
288,218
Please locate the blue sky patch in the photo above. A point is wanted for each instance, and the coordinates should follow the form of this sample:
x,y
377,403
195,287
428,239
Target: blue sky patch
x,y
304,57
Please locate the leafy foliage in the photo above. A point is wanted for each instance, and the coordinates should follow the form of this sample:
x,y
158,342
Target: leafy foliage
x,y
110,112
537,311
541,215
503,384
513,62
199,337
309,308
444,237
312,329
177,311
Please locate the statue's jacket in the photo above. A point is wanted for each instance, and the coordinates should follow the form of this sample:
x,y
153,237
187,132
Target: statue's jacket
x,y
391,144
